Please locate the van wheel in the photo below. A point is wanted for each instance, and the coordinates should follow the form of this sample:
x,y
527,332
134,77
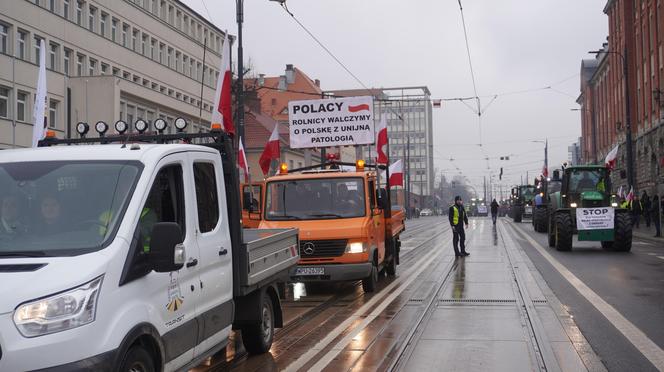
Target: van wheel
x,y
257,338
369,283
137,359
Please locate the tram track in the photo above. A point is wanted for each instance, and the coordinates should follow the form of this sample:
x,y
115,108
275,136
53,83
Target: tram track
x,y
349,299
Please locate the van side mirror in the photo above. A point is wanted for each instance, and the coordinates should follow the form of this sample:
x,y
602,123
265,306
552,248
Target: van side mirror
x,y
246,201
556,175
166,250
381,196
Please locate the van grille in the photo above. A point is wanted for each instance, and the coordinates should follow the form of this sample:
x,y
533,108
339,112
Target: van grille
x,y
322,248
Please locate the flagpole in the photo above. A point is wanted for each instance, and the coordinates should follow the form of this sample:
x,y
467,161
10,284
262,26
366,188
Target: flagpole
x,y
200,103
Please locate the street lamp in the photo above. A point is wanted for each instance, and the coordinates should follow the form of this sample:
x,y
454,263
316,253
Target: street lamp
x,y
546,154
628,123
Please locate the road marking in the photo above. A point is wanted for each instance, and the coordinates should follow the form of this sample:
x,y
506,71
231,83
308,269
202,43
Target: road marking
x,y
640,340
660,257
388,291
652,254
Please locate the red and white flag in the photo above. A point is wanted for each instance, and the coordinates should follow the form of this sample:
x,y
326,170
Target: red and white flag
x,y
621,193
545,171
271,151
381,142
39,110
396,173
222,113
242,161
610,160
630,196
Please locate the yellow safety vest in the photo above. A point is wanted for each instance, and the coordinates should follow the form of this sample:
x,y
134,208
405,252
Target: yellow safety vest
x,y
105,220
455,218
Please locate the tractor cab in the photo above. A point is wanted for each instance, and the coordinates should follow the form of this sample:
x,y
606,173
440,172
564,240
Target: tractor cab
x,y
586,187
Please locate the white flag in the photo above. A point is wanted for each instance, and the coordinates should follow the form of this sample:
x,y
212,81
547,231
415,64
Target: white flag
x,y
38,128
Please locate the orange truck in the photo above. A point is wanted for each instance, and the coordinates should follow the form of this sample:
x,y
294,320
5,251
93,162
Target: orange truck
x,y
345,221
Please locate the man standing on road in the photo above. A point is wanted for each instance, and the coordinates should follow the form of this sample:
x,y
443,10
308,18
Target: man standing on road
x,y
656,216
645,201
457,216
494,210
637,210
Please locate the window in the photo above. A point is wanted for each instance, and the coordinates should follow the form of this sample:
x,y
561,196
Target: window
x,y
79,12
21,37
125,30
65,8
169,57
4,102
92,67
155,7
4,36
207,199
67,59
21,106
134,40
53,56
104,69
153,49
177,61
165,202
102,24
92,15
51,5
37,41
161,52
114,29
53,114
80,63
144,44
185,63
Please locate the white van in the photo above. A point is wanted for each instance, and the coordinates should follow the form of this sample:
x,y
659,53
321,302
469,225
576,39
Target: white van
x,y
131,257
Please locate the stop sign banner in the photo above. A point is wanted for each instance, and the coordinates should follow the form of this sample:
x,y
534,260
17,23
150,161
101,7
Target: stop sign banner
x,y
595,218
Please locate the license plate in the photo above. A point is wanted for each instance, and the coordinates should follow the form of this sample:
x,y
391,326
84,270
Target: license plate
x,y
303,271
529,209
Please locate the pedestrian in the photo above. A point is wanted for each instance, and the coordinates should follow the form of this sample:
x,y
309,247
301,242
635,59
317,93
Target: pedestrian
x,y
637,210
647,206
656,216
458,218
494,210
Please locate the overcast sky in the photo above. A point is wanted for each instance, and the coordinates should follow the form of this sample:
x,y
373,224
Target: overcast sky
x,y
516,45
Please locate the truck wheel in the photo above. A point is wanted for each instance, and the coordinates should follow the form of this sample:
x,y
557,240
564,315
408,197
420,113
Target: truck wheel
x,y
369,283
257,339
137,359
564,232
623,233
551,232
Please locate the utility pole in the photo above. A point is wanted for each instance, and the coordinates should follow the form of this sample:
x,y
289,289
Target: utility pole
x,y
240,69
546,156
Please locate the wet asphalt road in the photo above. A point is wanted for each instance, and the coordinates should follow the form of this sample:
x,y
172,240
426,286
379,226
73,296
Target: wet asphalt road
x,y
633,283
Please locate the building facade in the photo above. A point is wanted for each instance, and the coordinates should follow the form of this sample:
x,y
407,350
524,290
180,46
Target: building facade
x,y
408,111
106,60
635,40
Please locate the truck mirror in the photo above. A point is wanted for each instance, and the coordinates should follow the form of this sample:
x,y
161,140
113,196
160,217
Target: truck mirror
x,y
246,201
381,196
556,175
166,251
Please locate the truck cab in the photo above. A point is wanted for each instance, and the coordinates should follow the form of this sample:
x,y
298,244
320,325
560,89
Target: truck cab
x,y
130,256
347,231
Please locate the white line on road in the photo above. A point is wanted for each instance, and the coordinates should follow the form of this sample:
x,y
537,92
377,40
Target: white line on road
x,y
640,340
660,257
407,277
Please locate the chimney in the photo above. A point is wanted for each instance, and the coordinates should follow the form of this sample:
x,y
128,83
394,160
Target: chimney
x,y
317,82
261,80
290,74
282,82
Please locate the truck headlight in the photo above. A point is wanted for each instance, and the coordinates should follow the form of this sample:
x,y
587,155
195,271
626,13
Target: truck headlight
x,y
357,247
59,312
573,205
614,205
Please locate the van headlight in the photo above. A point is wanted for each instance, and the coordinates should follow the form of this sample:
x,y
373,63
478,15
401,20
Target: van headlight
x,y
59,312
357,247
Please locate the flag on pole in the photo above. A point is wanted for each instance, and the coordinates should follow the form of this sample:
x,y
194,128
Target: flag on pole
x,y
381,142
39,111
242,162
610,160
396,173
630,196
621,193
222,113
545,171
271,150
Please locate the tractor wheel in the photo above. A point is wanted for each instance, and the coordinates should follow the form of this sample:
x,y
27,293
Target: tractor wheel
x,y
564,232
623,233
551,230
518,215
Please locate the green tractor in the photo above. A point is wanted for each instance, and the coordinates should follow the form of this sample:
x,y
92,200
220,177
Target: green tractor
x,y
545,187
522,201
585,206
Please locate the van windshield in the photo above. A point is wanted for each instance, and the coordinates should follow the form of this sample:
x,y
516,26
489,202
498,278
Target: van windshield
x,y
315,199
55,208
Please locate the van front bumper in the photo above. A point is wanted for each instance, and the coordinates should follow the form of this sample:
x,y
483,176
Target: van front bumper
x,y
101,362
333,272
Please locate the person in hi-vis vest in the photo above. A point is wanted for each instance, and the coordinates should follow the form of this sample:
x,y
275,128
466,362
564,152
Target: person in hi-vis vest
x,y
458,218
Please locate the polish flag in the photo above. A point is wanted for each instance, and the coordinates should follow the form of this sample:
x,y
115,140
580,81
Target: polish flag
x,y
545,171
242,162
621,193
39,110
630,196
396,173
610,160
221,114
381,142
271,151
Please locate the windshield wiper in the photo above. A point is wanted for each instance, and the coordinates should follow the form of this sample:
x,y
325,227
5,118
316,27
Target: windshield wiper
x,y
326,215
286,217
23,254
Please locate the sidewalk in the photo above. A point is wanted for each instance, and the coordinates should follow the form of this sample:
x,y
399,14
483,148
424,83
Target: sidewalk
x,y
646,233
489,311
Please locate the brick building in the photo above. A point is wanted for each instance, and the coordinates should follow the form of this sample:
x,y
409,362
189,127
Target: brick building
x,y
636,33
